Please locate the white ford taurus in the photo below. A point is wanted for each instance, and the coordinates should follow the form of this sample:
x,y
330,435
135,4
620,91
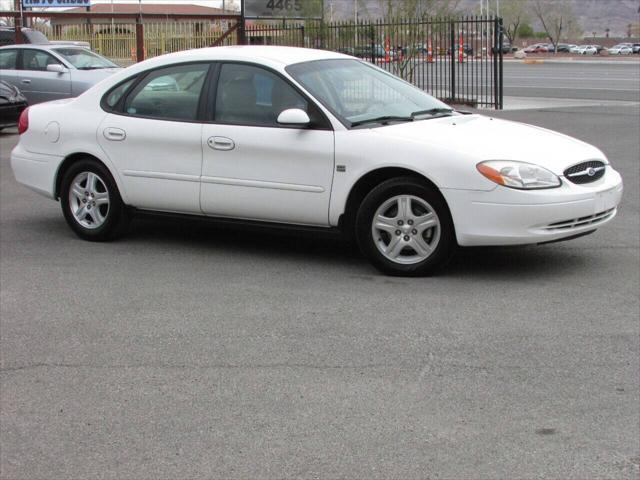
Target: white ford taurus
x,y
314,138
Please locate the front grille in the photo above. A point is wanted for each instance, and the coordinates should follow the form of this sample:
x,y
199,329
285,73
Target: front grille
x,y
585,172
580,222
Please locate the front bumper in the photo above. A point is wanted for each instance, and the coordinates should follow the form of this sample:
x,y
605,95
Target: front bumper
x,y
505,216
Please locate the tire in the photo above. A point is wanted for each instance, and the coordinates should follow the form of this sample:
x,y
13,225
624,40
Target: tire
x,y
105,216
417,242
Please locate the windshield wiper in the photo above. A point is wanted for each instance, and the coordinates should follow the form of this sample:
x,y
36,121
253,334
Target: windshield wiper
x,y
91,68
383,120
431,111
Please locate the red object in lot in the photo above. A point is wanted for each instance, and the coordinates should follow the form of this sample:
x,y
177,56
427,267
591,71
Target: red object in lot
x,y
23,121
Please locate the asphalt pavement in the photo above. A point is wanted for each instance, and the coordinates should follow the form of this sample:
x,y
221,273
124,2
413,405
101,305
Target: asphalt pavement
x,y
187,350
587,80
594,81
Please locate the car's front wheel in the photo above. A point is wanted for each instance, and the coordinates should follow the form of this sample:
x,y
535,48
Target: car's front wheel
x,y
404,227
91,203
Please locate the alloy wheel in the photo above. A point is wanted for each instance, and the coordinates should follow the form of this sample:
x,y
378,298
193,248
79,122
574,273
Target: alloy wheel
x,y
406,229
89,200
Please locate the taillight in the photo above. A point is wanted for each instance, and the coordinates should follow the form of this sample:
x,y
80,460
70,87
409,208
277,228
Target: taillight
x,y
23,121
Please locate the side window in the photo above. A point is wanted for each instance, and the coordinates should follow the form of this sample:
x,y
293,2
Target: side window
x,y
8,59
250,95
37,60
169,93
114,96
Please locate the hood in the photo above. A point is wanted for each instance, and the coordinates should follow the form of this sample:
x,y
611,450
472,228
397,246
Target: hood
x,y
486,138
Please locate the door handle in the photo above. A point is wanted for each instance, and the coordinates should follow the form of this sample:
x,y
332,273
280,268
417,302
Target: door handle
x,y
114,134
26,81
221,143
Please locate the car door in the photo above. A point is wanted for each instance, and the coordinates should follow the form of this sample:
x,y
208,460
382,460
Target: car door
x,y
9,66
38,84
153,135
255,168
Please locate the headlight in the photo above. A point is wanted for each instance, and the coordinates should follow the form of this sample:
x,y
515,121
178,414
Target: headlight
x,y
526,176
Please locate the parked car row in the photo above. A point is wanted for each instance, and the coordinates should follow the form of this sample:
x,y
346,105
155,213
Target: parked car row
x,y
620,49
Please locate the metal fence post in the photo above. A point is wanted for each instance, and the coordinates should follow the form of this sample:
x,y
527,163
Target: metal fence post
x,y
501,74
496,52
139,40
452,60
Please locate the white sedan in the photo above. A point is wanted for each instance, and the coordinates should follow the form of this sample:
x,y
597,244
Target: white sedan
x,y
620,50
309,138
585,50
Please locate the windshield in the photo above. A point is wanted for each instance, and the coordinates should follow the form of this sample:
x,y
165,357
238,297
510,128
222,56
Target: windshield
x,y
83,59
358,93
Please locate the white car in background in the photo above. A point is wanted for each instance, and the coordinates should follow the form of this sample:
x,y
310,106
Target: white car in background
x,y
309,138
620,50
585,50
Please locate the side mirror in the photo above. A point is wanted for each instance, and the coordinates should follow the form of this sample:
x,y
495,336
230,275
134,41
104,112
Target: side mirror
x,y
56,67
294,116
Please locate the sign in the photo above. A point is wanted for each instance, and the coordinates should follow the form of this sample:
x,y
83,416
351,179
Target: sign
x,y
283,8
56,3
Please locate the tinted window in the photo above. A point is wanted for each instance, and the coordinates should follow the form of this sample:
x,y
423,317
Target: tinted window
x,y
169,93
37,60
117,93
8,59
250,95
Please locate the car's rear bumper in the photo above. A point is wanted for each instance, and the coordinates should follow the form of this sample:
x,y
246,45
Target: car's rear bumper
x,y
505,216
34,170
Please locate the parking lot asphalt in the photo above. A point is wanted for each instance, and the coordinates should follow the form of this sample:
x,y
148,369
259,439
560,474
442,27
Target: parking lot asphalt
x,y
618,81
187,350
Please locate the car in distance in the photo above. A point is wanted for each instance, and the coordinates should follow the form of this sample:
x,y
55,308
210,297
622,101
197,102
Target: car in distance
x,y
52,72
537,48
309,138
29,35
585,50
620,50
12,103
565,47
8,36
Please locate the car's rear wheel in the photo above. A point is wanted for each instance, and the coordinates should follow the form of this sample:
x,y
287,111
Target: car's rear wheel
x,y
404,227
91,203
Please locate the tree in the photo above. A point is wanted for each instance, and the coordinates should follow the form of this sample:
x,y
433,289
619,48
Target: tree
x,y
554,17
525,31
515,16
418,8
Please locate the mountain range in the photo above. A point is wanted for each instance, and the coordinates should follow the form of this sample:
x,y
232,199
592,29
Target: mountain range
x,y
591,15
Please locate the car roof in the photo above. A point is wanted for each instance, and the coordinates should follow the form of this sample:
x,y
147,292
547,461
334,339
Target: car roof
x,y
270,54
43,46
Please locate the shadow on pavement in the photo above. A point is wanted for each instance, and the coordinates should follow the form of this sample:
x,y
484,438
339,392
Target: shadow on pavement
x,y
493,262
